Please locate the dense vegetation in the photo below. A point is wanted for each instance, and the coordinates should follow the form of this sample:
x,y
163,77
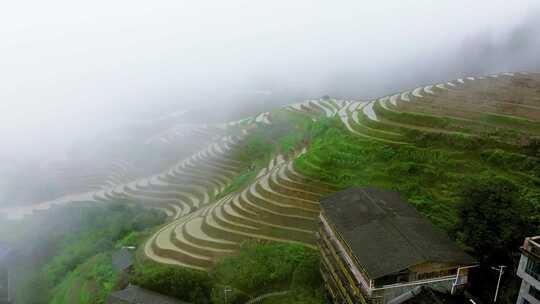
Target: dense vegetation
x,y
258,269
89,282
66,257
264,268
78,269
181,283
288,132
484,194
494,216
429,175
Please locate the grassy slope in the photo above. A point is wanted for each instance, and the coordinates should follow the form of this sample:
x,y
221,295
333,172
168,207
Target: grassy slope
x,y
262,268
71,262
286,133
429,173
90,282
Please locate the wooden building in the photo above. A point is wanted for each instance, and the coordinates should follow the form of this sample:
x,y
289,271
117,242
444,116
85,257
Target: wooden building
x,y
529,271
376,248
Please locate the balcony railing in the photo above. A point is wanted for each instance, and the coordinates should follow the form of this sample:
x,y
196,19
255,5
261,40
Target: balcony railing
x,y
419,282
532,245
533,268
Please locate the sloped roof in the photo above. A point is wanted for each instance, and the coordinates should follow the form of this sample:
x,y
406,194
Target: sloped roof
x,y
136,295
122,259
386,234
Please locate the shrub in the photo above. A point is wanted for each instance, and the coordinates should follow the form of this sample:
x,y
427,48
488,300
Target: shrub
x,y
261,268
181,283
494,217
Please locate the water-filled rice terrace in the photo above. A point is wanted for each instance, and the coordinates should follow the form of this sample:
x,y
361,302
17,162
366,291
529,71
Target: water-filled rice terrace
x,y
280,203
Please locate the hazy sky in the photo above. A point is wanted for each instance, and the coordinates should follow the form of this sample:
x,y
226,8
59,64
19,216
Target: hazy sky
x,y
67,67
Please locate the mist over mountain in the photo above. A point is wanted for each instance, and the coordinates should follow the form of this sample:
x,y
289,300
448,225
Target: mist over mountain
x,y
79,76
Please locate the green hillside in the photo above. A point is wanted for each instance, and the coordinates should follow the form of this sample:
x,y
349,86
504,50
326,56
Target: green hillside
x,y
465,153
425,143
261,178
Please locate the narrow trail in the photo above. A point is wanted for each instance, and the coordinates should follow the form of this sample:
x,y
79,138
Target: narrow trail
x,y
268,295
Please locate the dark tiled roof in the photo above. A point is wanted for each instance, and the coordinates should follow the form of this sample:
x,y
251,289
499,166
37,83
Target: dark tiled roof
x,y
386,233
122,259
136,295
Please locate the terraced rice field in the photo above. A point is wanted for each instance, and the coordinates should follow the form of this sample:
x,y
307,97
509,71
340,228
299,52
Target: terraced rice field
x,y
208,171
116,169
185,187
471,106
280,204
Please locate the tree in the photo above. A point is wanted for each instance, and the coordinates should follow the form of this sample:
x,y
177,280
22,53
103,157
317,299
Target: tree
x,y
261,268
184,284
494,217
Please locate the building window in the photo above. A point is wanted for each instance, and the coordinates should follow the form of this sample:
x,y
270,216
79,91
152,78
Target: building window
x,y
534,292
533,268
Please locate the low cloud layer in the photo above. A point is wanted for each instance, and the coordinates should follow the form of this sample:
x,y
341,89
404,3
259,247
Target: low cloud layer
x,y
73,69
